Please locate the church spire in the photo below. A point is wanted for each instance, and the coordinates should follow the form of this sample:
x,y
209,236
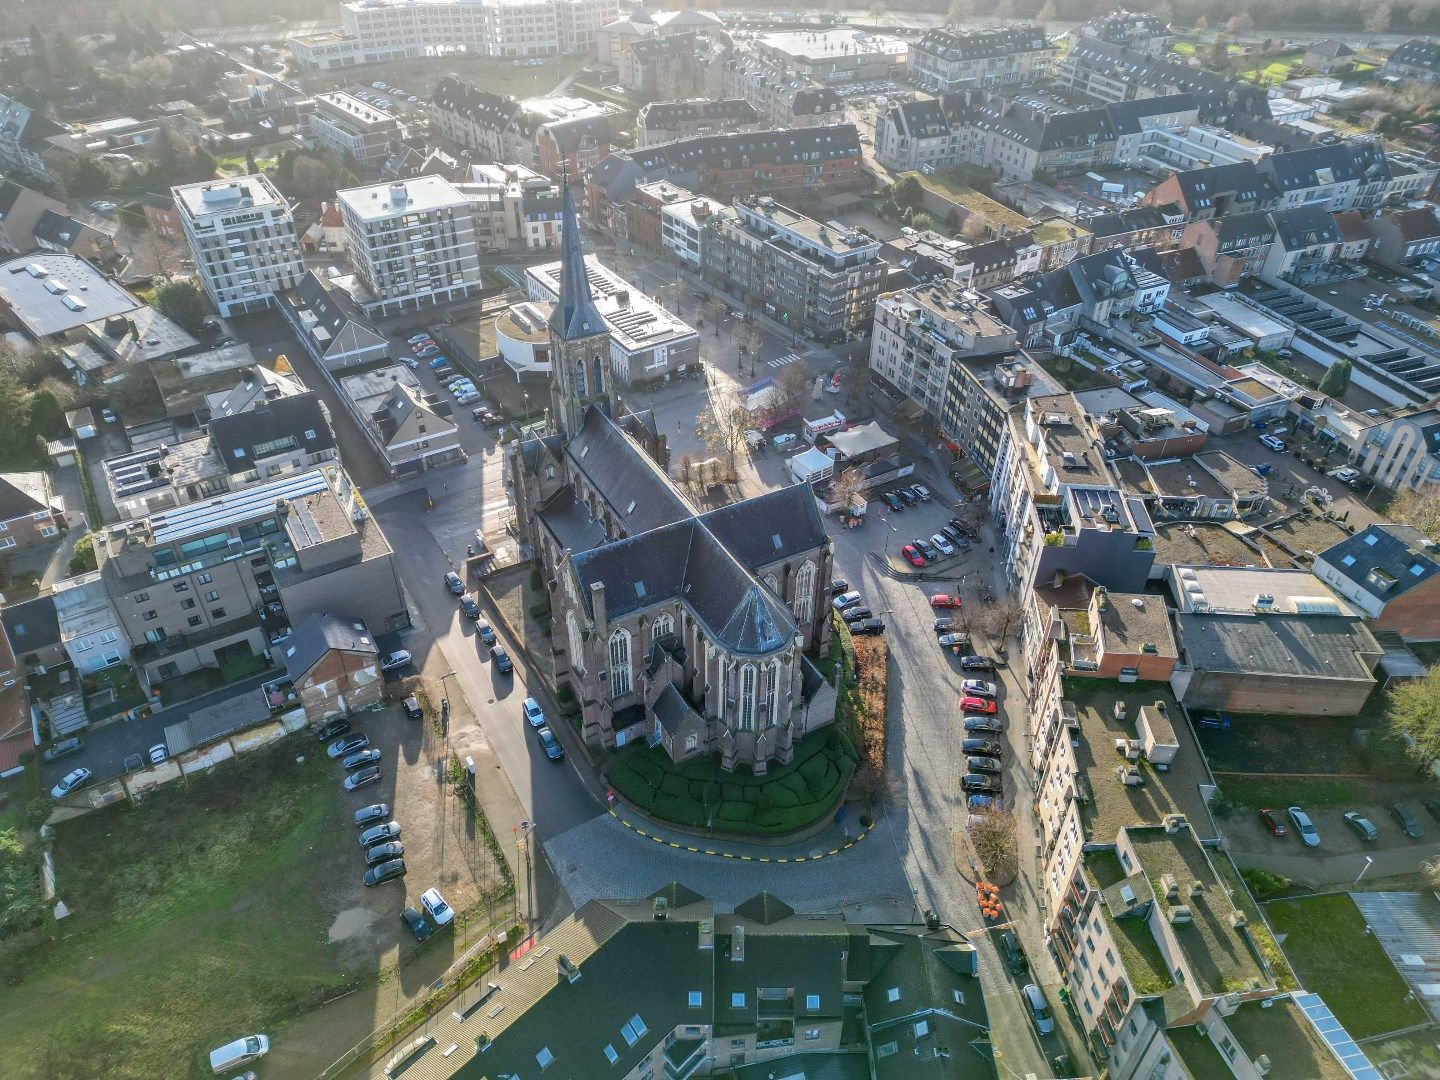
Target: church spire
x,y
575,315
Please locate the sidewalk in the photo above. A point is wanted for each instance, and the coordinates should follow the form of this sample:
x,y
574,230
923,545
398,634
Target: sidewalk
x,y
833,840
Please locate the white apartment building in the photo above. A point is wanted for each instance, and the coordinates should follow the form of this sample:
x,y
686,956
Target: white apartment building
x,y
1187,147
380,30
411,242
513,207
354,128
242,238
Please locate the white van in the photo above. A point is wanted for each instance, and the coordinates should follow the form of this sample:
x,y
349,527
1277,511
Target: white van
x,y
240,1052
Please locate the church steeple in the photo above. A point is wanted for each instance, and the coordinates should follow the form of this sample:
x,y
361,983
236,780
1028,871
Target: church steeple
x,y
579,337
574,316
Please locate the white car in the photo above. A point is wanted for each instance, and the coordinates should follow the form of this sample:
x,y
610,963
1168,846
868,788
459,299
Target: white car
x,y
1345,476
395,660
436,907
845,600
240,1052
71,781
1273,443
942,544
418,339
410,362
158,753
533,712
978,687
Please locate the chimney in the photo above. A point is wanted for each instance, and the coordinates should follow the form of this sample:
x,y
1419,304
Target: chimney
x,y
707,934
1058,580
566,969
660,909
737,945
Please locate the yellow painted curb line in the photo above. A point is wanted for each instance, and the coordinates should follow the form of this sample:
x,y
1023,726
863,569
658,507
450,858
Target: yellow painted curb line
x,y
746,858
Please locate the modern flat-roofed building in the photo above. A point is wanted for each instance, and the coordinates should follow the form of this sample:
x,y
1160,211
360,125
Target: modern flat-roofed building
x,y
354,128
52,298
412,242
242,238
821,279
950,59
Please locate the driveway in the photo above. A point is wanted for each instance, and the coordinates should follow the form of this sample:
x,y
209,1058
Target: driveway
x,y
107,747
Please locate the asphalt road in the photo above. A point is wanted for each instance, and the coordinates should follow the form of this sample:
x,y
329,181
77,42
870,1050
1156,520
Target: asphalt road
x,y
107,747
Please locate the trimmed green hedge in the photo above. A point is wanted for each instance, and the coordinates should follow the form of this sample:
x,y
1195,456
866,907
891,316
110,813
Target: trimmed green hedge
x,y
786,799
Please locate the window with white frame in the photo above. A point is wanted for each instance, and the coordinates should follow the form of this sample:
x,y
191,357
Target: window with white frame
x,y
619,663
664,624
745,717
804,594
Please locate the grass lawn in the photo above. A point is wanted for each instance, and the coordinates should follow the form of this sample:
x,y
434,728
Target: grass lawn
x,y
785,799
1287,792
952,187
484,73
1276,71
197,917
1285,744
1333,956
1075,377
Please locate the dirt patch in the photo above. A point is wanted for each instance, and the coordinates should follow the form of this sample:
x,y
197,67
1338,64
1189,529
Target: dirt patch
x,y
350,922
1203,543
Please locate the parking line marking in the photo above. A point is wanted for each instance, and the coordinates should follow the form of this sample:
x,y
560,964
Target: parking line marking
x,y
849,843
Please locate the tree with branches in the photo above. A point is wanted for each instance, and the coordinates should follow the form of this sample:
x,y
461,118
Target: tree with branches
x,y
1413,713
1419,507
1002,618
995,841
722,427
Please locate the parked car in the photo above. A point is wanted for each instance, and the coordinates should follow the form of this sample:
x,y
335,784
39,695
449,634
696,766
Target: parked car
x,y
1432,807
907,495
955,537
982,783
386,871
469,607
395,660
372,815
982,765
348,745
845,600
866,626
411,705
945,600
1405,818
978,663
1015,956
858,611
893,501
1039,1010
361,777
979,687
392,849
1360,824
942,544
486,632
533,713
157,753
64,748
972,704
983,725
74,780
984,747
502,660
921,492
953,641
454,584
926,550
361,759
1304,826
979,804
436,907
418,339
420,926
839,585
912,555
553,750
380,834
332,728
1278,445
240,1052
1273,822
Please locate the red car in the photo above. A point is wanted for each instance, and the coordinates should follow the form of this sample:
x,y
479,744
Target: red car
x,y
1273,822
943,600
972,704
912,556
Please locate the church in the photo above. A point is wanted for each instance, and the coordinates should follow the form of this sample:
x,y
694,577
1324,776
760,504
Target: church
x,y
684,628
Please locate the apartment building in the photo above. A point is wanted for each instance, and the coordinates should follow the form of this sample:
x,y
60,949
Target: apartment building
x,y
952,59
403,422
30,142
1416,60
21,210
552,134
412,242
352,128
1232,246
1138,31
89,625
242,238
378,30
782,98
646,341
331,323
1107,73
820,279
804,162
513,207
664,68
214,583
1403,452
1391,573
1058,503
31,512
665,121
927,342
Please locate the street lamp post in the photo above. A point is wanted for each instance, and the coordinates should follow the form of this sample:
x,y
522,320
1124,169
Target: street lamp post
x,y
523,830
1369,861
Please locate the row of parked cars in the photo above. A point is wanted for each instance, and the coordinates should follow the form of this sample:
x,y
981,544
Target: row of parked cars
x,y
470,608
851,606
953,539
1363,827
900,497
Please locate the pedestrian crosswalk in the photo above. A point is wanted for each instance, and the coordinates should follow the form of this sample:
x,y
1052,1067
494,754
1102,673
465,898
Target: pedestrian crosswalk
x,y
781,361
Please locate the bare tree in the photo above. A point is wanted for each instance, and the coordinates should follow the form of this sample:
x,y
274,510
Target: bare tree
x,y
961,11
1377,20
852,485
1239,24
1420,508
791,385
722,427
994,839
1420,11
975,228
1003,618
1047,12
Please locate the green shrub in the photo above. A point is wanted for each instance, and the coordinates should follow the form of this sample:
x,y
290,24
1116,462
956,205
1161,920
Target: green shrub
x,y
1265,883
536,581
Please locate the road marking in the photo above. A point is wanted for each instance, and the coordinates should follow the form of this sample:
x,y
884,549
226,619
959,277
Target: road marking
x,y
716,853
781,361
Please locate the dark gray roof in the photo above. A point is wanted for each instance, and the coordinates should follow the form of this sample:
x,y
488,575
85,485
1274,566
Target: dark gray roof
x,y
664,114
1417,52
673,711
57,230
639,494
922,119
988,44
299,415
1125,116
574,315
1135,219
1241,181
1216,96
581,132
335,308
568,520
1278,644
1400,553
9,192
322,633
16,502
479,106
31,625
777,525
1362,160
1236,231
1305,227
